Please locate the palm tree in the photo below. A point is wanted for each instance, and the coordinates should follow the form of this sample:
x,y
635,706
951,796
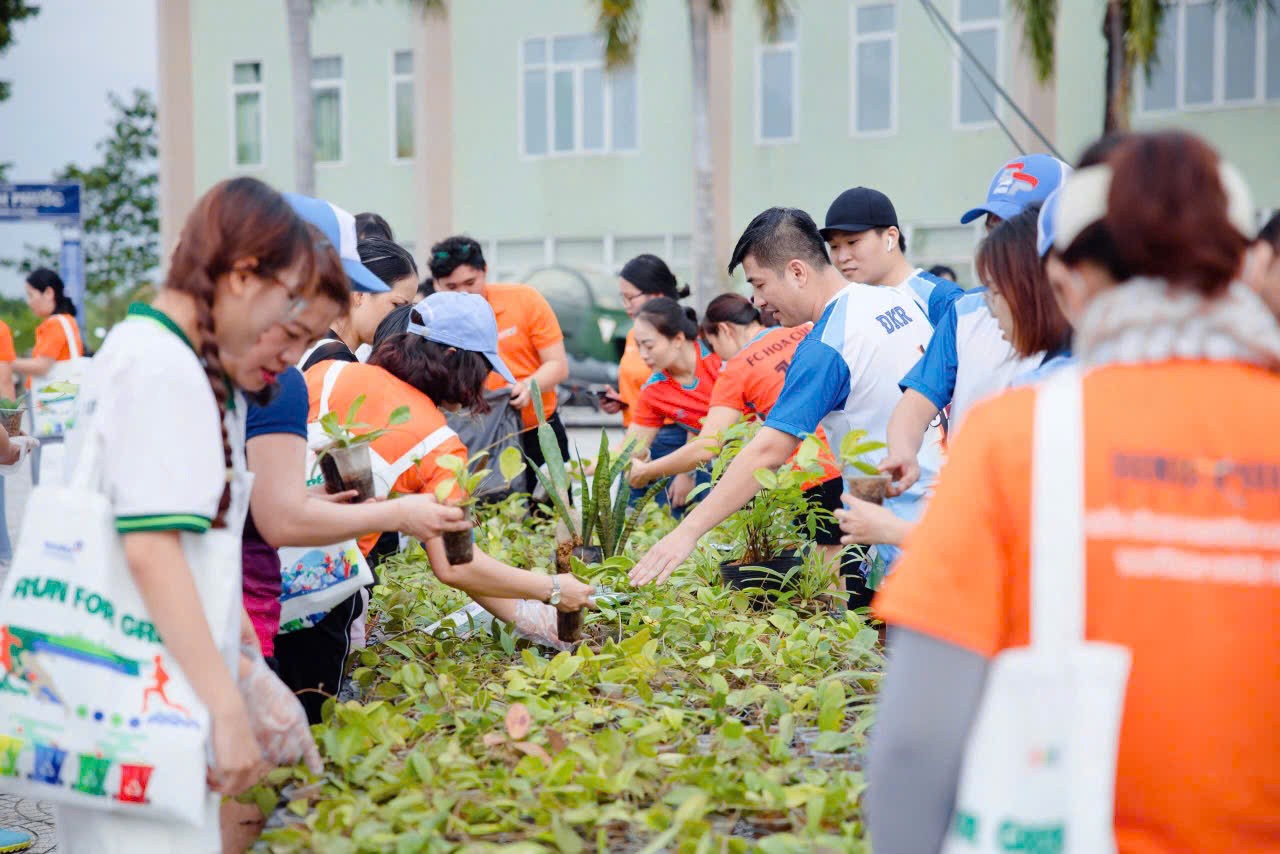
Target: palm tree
x,y
1132,32
619,25
298,20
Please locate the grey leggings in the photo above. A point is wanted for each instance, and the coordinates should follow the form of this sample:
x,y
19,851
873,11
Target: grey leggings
x,y
927,705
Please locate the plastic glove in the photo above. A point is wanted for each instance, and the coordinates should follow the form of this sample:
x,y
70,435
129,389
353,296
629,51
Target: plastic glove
x,y
21,445
278,719
536,621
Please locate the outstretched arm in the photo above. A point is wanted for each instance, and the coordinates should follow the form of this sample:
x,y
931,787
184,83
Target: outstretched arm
x,y
692,454
769,449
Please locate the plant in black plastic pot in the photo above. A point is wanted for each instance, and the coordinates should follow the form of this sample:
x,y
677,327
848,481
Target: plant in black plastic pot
x,y
467,476
869,484
345,461
765,535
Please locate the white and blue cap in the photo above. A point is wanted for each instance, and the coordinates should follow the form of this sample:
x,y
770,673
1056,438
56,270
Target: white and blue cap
x,y
1047,224
340,228
464,321
1021,183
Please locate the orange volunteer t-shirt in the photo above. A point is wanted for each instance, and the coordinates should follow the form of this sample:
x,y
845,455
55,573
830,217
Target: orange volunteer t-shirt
x,y
664,400
751,381
526,324
1183,554
51,340
413,446
7,351
632,374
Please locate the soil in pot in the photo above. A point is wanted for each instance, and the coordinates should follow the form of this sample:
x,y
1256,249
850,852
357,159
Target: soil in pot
x,y
459,546
569,624
348,468
871,488
12,420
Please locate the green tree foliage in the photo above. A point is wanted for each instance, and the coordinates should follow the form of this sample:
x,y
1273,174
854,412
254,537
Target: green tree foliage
x,y
12,11
121,236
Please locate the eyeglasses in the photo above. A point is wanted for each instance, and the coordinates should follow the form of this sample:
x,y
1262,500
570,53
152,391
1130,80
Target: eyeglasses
x,y
638,296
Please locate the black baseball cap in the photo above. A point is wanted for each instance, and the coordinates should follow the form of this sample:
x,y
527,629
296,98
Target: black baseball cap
x,y
859,209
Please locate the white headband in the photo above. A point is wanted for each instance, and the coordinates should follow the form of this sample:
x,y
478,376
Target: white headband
x,y
1083,201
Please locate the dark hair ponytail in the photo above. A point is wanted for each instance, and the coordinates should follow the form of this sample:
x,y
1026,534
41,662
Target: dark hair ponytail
x,y
386,259
651,275
43,279
236,219
729,308
670,318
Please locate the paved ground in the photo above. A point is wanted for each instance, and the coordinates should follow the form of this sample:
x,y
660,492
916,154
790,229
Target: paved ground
x,y
35,817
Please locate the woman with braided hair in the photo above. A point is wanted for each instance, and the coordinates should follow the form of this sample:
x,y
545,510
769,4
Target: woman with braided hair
x,y
163,406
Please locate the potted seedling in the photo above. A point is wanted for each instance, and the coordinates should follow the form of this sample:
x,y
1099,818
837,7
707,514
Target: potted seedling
x,y
766,533
11,412
869,484
345,461
467,477
605,524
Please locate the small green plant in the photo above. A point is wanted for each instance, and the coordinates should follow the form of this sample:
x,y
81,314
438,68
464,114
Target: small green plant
x,y
780,517
348,433
605,520
9,403
854,448
469,475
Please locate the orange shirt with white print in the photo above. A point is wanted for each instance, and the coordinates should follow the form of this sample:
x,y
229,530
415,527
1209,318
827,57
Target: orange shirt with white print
x,y
526,324
405,458
1182,518
52,341
632,375
751,381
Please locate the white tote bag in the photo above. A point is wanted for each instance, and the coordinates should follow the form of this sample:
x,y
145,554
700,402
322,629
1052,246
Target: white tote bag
x,y
315,580
94,711
1039,769
53,413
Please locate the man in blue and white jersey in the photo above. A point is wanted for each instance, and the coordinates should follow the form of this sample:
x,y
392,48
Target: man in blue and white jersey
x,y
843,375
967,359
868,246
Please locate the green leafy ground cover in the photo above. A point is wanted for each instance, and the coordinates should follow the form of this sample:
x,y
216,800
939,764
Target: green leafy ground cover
x,y
690,721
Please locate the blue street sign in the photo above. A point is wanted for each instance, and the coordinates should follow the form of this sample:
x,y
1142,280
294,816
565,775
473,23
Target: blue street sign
x,y
55,202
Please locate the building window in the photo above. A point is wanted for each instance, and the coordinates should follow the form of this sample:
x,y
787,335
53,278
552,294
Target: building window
x,y
402,105
873,64
571,104
981,30
1213,55
777,93
326,100
246,108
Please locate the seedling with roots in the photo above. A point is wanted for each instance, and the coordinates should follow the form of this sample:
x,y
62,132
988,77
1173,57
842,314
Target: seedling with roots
x,y
467,476
872,484
345,461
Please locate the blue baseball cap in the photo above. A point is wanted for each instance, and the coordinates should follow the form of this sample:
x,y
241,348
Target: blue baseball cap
x,y
1020,183
340,228
1047,224
464,321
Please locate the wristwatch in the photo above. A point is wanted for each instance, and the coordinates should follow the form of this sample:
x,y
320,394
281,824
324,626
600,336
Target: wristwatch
x,y
554,598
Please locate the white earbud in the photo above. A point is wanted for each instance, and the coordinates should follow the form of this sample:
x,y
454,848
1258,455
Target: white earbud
x,y
888,247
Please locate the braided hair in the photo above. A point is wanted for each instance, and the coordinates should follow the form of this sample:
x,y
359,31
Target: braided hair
x,y
238,219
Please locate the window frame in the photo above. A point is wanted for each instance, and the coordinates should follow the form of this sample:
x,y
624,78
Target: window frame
x,y
260,88
763,48
340,84
396,79
1175,13
957,61
856,39
549,67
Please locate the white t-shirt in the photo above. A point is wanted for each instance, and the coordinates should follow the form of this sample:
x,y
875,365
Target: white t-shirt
x,y
967,360
844,375
147,395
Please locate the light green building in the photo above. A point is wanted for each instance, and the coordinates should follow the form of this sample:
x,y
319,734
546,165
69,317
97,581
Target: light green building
x,y
498,118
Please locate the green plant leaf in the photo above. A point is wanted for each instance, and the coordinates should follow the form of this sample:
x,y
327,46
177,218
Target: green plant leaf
x,y
511,463
398,416
354,409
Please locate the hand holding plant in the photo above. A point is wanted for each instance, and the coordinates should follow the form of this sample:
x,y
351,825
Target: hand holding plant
x,y
872,485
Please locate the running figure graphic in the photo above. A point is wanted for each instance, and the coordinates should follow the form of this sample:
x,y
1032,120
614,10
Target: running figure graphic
x,y
157,688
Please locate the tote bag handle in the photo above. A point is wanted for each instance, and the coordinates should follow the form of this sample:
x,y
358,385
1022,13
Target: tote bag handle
x,y
73,341
1057,513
